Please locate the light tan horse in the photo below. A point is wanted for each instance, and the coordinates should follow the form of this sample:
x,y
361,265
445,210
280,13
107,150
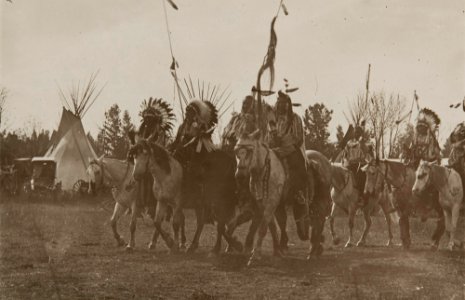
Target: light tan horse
x,y
345,197
151,158
448,183
267,183
117,174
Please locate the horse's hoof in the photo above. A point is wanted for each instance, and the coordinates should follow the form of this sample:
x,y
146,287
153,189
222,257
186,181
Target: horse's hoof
x,y
336,241
182,247
151,246
129,248
389,243
433,247
191,249
349,245
361,244
120,243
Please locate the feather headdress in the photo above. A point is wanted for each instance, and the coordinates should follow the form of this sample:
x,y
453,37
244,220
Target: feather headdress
x,y
429,118
159,111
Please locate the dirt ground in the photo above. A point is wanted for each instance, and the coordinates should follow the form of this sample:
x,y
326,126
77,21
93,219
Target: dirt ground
x,y
51,251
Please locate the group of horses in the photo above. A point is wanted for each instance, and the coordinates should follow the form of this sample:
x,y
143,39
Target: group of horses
x,y
216,196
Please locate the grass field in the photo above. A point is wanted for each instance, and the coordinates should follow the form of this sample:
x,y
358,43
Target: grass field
x,y
50,251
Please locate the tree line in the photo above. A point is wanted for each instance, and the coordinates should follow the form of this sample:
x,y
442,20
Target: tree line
x,y
386,127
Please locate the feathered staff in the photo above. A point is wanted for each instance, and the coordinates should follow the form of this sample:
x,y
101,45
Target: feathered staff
x,y
268,63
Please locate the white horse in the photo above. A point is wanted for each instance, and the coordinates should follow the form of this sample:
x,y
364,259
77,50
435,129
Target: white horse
x,y
345,196
449,185
117,174
267,179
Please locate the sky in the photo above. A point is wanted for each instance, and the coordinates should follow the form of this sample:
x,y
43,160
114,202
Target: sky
x,y
324,48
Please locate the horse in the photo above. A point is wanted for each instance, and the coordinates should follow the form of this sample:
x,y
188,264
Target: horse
x,y
345,196
268,182
448,183
376,188
117,174
401,178
149,157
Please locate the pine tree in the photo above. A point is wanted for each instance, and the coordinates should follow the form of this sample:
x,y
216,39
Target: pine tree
x,y
111,139
316,122
125,128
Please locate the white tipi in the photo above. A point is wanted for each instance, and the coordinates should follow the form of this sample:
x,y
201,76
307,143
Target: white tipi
x,y
69,146
71,150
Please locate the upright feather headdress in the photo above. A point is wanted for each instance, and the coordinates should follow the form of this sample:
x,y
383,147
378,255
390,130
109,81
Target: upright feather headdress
x,y
159,111
429,118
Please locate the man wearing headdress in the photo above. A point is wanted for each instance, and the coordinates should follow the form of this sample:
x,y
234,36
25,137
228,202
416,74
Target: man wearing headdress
x,y
457,155
286,138
197,128
156,125
193,143
355,155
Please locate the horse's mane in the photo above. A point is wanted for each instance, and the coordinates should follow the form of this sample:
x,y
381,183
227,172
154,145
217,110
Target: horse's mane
x,y
162,157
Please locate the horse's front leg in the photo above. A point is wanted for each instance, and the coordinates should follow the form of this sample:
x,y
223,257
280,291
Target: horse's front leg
x,y
160,215
440,226
262,229
404,223
453,219
387,216
132,227
237,221
180,227
335,238
200,214
276,241
281,218
318,224
118,211
153,241
366,229
352,212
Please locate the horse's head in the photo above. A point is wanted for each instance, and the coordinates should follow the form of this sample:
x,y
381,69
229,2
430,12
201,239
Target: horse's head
x,y
245,150
95,174
373,178
139,154
422,178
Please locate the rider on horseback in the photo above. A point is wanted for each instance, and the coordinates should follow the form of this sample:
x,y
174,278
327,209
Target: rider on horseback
x,y
457,155
425,145
156,126
355,155
286,138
